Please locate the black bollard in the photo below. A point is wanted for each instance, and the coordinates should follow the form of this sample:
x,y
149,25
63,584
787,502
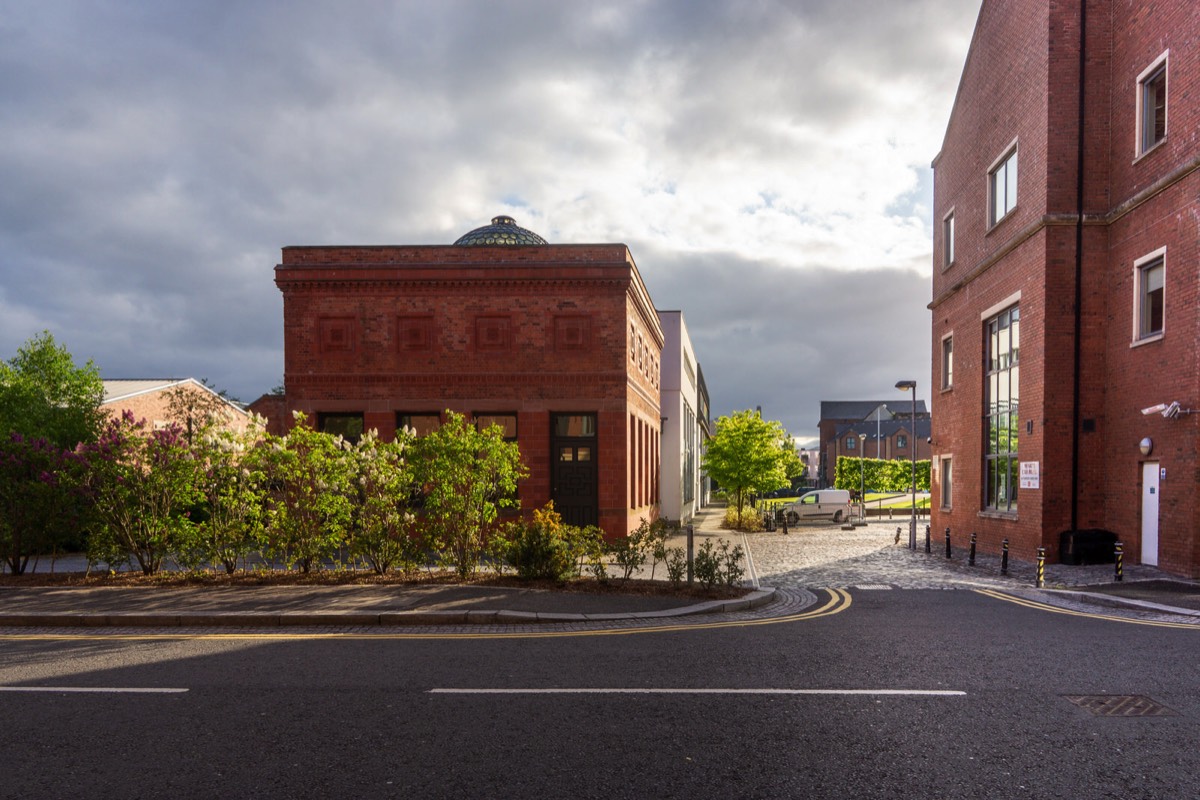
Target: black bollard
x,y
785,530
1041,568
691,551
971,557
897,536
947,542
1119,561
1004,558
927,550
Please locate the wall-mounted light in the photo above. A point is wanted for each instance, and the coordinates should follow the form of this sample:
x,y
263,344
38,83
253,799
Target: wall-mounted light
x,y
1146,445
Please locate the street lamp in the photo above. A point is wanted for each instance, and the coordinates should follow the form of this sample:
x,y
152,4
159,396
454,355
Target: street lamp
x,y
862,479
911,386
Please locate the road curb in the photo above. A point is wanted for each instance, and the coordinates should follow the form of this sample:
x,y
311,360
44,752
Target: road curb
x,y
1108,599
752,600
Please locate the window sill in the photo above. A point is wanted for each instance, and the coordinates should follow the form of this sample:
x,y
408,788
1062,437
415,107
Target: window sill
x,y
1152,148
1157,337
1010,516
948,267
945,389
1010,213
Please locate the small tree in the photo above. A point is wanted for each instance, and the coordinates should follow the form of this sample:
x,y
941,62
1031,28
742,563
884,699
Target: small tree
x,y
43,394
384,525
233,488
468,476
142,485
39,501
308,477
749,454
196,408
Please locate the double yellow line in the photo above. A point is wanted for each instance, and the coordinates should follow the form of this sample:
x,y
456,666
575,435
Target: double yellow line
x,y
1021,601
838,601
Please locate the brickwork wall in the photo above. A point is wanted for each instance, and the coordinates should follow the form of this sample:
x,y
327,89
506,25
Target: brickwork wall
x,y
528,330
1022,77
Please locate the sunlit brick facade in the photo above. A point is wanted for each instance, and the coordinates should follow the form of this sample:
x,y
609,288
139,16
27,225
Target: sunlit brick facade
x,y
1065,280
560,344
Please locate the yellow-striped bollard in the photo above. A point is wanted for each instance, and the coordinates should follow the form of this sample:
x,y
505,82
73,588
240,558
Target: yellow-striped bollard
x,y
1041,567
1120,561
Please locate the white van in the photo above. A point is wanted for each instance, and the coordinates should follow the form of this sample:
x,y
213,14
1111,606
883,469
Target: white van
x,y
831,504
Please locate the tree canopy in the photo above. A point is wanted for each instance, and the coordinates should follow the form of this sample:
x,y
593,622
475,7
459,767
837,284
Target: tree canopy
x,y
750,454
44,395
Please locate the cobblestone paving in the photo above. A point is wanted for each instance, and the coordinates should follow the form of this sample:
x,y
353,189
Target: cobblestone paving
x,y
817,556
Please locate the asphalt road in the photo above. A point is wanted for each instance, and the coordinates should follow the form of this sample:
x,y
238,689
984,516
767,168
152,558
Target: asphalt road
x,y
385,716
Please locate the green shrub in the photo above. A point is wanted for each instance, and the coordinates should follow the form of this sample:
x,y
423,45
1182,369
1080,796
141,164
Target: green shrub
x,y
543,547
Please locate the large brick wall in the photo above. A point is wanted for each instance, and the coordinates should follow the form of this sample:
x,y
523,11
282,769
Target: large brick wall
x,y
1022,81
531,330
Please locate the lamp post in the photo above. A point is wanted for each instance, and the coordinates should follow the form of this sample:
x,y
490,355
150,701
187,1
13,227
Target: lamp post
x,y
911,386
862,478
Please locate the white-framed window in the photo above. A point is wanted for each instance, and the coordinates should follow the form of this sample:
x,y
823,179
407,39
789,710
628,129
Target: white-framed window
x,y
947,482
851,443
901,442
948,240
1152,105
1002,380
948,361
1149,280
1002,186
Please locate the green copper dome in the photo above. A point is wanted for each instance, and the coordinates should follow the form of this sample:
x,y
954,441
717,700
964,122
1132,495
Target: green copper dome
x,y
503,230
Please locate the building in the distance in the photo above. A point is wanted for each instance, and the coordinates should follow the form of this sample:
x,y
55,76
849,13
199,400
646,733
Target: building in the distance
x,y
557,343
162,401
1065,330
842,420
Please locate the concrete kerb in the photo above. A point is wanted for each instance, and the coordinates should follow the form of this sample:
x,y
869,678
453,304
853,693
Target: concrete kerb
x,y
753,600
1124,602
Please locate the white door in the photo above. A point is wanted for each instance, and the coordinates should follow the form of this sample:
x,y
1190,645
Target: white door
x,y
1150,513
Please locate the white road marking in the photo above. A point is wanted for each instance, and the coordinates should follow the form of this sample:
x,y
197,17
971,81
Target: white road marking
x,y
94,689
877,692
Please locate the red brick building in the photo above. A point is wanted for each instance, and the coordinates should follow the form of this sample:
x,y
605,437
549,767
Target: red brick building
x,y
1065,280
559,344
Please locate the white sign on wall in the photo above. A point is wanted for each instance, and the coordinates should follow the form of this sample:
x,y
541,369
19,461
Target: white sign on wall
x,y
1030,475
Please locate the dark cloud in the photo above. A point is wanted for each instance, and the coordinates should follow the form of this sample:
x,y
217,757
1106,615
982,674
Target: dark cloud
x,y
772,337
158,155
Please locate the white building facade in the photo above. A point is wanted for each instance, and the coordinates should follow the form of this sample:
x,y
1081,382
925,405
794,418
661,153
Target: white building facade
x,y
681,486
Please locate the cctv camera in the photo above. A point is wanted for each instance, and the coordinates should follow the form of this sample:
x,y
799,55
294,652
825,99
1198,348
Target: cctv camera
x,y
1171,411
1155,409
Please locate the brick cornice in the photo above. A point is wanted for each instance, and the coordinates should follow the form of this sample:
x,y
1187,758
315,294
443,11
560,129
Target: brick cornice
x,y
356,286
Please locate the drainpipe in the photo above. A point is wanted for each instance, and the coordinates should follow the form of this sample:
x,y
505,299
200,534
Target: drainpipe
x,y
1076,422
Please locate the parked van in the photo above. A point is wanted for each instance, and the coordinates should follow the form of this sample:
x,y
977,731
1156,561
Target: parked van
x,y
831,504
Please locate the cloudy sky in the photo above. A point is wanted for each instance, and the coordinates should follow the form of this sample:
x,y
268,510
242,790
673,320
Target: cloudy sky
x,y
766,162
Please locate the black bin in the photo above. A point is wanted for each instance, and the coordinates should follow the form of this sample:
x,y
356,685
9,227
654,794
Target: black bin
x,y
1087,546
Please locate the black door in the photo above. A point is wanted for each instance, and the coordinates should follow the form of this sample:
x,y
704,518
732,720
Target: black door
x,y
573,474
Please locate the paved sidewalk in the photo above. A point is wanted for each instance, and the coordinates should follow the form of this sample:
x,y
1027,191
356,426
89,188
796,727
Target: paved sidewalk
x,y
786,569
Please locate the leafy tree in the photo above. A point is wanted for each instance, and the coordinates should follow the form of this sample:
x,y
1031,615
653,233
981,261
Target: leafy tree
x,y
196,409
468,475
142,485
308,475
233,488
44,395
884,475
749,454
39,503
383,533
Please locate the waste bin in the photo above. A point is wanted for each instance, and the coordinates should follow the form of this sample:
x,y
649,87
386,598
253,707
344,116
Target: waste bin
x,y
1087,546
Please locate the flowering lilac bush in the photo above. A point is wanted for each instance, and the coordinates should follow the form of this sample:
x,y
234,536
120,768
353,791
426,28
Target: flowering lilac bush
x,y
142,485
40,505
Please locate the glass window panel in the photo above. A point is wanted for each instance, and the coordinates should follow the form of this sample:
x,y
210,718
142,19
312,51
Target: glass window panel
x,y
583,454
507,422
348,426
423,424
566,454
575,425
1010,189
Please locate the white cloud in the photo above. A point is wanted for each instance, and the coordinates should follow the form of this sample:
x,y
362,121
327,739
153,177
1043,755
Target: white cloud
x,y
158,156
